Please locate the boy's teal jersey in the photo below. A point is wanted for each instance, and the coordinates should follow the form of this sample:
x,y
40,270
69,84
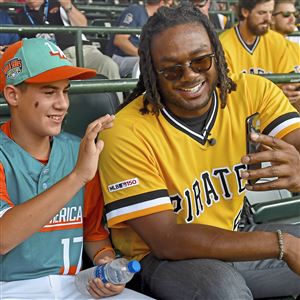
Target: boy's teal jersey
x,y
57,247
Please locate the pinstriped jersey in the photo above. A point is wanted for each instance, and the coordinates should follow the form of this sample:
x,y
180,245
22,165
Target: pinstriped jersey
x,y
57,247
156,163
269,53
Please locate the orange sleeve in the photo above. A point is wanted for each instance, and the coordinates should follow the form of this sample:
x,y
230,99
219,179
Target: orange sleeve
x,y
93,212
3,190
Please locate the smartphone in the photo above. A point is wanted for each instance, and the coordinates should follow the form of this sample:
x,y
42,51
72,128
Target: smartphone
x,y
252,125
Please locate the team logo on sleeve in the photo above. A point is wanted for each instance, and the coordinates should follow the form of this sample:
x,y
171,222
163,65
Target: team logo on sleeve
x,y
128,18
123,185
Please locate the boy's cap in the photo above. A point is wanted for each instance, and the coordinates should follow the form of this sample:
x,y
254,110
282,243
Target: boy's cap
x,y
37,60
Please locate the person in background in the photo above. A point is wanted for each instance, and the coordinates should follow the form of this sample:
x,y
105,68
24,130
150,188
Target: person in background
x,y
123,48
250,47
284,22
176,193
284,19
219,21
65,13
50,202
6,38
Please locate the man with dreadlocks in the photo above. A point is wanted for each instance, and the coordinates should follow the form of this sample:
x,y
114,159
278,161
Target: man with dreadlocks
x,y
178,155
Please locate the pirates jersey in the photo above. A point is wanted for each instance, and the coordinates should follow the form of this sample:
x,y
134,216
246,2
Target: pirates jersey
x,y
155,163
269,53
294,52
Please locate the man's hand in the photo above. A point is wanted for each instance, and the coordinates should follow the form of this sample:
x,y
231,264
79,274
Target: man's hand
x,y
98,289
89,151
292,91
285,165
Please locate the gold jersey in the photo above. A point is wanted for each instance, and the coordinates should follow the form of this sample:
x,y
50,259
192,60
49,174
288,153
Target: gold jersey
x,y
155,163
268,54
294,52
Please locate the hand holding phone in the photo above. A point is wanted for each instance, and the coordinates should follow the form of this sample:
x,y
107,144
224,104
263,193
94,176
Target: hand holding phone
x,y
252,125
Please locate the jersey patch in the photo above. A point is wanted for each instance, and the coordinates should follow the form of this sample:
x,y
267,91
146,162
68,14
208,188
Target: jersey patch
x,y
123,185
128,18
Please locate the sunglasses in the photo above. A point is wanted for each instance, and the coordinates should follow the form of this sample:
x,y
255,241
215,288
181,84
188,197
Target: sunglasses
x,y
287,14
198,65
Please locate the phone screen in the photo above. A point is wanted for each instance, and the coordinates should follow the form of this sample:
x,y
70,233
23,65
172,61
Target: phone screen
x,y
252,125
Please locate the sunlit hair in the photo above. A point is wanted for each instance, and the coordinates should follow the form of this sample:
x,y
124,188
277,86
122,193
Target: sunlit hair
x,y
166,18
277,2
249,5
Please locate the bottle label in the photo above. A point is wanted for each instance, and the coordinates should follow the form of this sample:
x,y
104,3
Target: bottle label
x,y
99,273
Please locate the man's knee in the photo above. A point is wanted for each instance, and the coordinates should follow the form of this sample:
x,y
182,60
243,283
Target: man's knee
x,y
197,279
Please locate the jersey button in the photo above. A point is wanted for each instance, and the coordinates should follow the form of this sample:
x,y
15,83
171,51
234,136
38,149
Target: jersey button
x,y
46,171
45,185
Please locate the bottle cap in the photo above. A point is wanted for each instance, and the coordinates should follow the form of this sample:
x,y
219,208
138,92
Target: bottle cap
x,y
134,266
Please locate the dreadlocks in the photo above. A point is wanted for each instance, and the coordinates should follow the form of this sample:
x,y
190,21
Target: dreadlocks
x,y
166,18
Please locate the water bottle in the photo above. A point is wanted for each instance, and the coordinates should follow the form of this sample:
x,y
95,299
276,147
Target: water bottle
x,y
118,271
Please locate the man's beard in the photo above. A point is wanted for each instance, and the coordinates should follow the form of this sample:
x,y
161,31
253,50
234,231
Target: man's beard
x,y
257,30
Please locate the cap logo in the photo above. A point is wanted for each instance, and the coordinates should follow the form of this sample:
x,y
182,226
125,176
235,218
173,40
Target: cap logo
x,y
13,68
56,52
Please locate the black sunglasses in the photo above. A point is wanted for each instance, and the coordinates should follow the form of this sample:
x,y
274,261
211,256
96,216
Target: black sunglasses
x,y
198,65
287,14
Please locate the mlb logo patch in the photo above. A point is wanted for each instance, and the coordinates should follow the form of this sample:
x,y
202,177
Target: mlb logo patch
x,y
123,185
13,68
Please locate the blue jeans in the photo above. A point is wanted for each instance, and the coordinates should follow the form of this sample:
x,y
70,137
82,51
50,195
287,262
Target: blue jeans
x,y
214,279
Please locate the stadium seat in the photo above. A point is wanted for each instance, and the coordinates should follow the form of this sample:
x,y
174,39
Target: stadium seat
x,y
85,108
284,210
276,206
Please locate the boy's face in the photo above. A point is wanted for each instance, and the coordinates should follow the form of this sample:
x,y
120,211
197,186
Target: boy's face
x,y
41,107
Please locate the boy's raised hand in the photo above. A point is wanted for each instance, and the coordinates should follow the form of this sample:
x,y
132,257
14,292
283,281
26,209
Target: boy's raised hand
x,y
89,151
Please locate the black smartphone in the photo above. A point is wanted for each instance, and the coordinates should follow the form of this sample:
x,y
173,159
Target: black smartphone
x,y
252,125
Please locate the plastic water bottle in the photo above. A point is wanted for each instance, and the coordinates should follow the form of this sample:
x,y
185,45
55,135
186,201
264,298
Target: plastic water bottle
x,y
118,271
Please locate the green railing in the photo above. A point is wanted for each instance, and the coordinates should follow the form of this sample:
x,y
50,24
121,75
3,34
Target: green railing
x,y
77,31
124,85
86,8
283,78
101,85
